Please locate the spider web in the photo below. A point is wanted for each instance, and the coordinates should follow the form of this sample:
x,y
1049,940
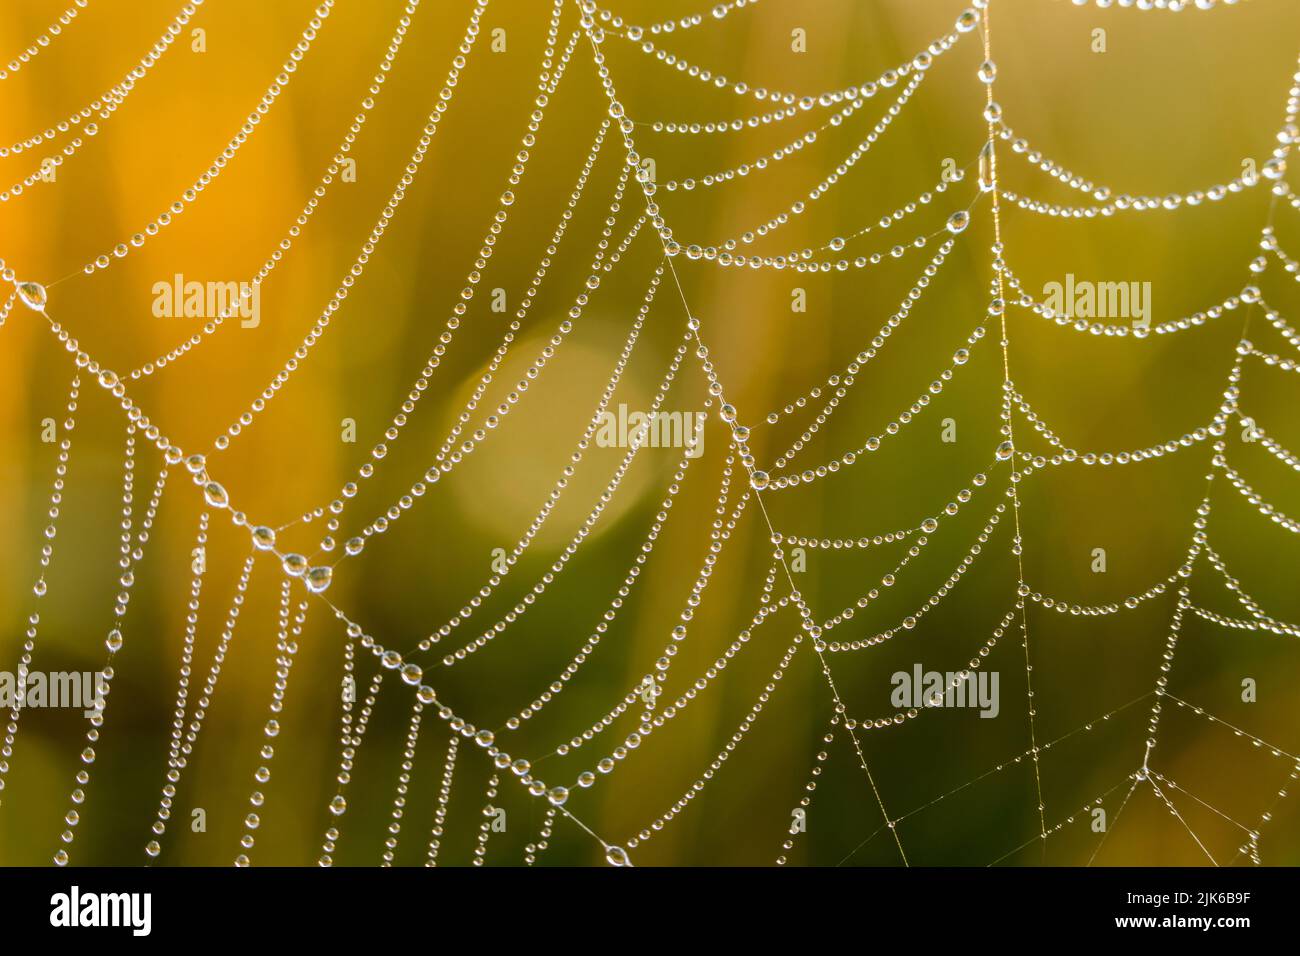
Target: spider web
x,y
542,707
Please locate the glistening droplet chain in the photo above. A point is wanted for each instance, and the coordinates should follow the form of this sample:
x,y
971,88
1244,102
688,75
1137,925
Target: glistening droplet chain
x,y
286,647
327,178
177,762
381,225
108,102
132,552
444,799
51,33
41,588
174,763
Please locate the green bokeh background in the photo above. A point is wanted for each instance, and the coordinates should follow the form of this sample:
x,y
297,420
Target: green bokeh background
x,y
1176,103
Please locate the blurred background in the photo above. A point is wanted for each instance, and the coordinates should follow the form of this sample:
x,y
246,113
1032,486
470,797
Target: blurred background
x,y
1176,102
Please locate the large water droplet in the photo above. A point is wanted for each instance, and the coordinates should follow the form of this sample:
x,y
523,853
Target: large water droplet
x,y
295,565
215,495
263,538
318,579
958,221
1005,451
616,856
338,806
33,295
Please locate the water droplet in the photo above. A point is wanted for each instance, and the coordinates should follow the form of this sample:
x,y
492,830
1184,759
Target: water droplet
x,y
968,20
1005,451
986,165
33,295
114,641
215,495
988,71
616,856
958,221
318,579
295,565
338,806
263,538
929,525
557,795
758,480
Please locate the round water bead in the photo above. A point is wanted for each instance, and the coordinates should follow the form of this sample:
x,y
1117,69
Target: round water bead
x,y
958,221
759,480
1005,451
318,579
968,20
33,295
215,495
263,538
616,856
295,565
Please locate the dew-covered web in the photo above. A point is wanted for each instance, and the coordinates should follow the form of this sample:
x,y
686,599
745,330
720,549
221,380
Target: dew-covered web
x,y
450,744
